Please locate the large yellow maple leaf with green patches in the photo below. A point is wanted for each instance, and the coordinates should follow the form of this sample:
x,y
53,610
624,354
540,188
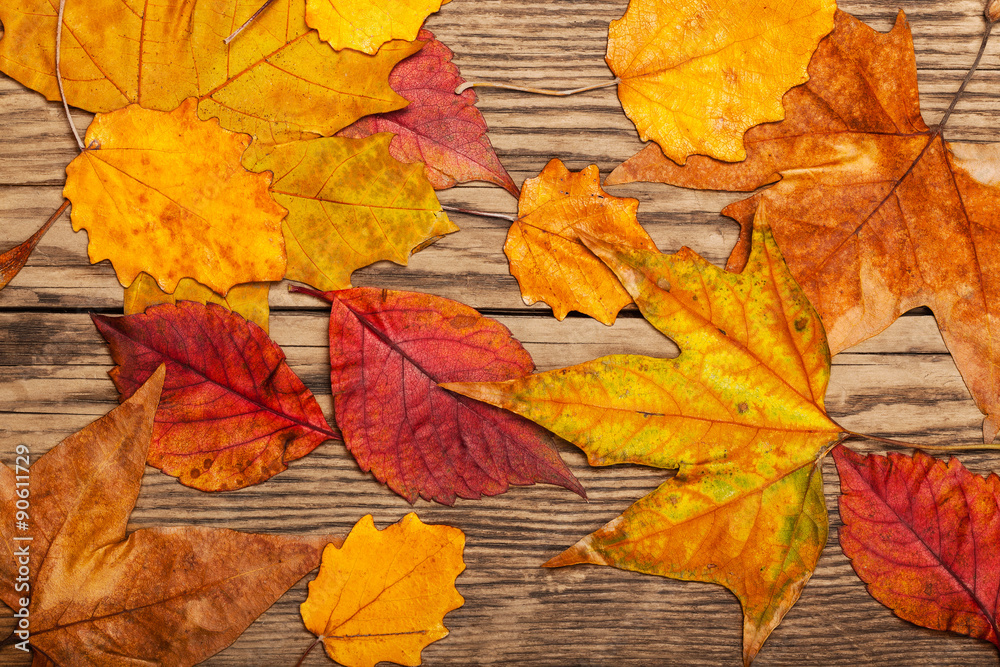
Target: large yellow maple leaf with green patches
x,y
739,413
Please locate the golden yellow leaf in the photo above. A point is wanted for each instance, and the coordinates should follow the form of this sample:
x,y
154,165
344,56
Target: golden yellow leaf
x,y
249,300
277,81
696,74
165,194
546,255
383,594
364,25
350,203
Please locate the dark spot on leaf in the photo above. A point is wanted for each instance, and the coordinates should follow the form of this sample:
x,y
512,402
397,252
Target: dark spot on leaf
x,y
722,331
742,407
462,321
195,473
800,324
207,463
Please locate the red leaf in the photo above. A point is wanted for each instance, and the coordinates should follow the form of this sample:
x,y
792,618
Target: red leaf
x,y
443,130
388,352
232,412
12,261
924,536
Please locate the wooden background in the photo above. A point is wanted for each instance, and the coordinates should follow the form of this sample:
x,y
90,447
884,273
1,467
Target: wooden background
x,y
900,384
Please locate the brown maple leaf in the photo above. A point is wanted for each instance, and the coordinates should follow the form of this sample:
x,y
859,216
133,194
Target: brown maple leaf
x,y
96,596
872,209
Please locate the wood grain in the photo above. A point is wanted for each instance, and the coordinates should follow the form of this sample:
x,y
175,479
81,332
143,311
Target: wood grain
x,y
902,383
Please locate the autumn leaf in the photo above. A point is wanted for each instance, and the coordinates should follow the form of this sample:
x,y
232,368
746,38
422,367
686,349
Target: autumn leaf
x,y
383,595
349,204
694,75
248,300
278,81
12,261
739,412
232,413
101,596
549,261
365,25
443,130
873,212
388,352
923,535
165,194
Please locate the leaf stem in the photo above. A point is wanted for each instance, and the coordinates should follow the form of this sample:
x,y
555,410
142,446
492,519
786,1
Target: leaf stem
x,y
59,81
483,214
537,91
318,639
914,445
968,77
250,20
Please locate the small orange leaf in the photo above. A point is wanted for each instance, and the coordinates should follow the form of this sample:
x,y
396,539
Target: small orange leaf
x,y
249,300
12,261
383,595
546,255
365,25
695,75
165,193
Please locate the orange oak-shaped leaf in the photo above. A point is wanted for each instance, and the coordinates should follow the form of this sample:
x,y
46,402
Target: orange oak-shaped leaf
x,y
383,595
365,25
550,262
232,413
695,74
102,596
739,412
278,81
349,204
249,300
443,130
872,211
923,535
388,352
165,194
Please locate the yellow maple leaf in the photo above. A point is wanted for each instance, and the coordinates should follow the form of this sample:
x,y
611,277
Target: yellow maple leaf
x,y
248,300
364,25
165,193
546,255
383,595
350,203
696,74
277,81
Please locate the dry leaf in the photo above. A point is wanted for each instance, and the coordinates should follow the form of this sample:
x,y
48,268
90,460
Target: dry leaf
x,y
365,25
101,596
278,81
867,237
739,412
383,595
165,194
695,74
248,300
549,261
12,261
349,204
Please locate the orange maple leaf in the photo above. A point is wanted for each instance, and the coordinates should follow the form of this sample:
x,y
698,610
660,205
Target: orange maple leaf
x,y
739,412
873,211
383,595
96,595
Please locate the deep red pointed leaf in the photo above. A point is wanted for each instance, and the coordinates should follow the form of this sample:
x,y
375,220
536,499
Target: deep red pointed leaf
x,y
232,412
925,536
443,130
12,261
388,352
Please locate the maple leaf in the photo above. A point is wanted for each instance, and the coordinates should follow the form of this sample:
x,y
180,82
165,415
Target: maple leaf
x,y
248,300
443,130
874,214
135,195
383,595
232,413
739,412
923,536
546,256
278,82
349,204
388,352
365,25
693,76
99,596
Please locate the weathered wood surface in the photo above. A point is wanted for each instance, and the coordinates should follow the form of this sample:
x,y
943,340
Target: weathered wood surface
x,y
901,384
